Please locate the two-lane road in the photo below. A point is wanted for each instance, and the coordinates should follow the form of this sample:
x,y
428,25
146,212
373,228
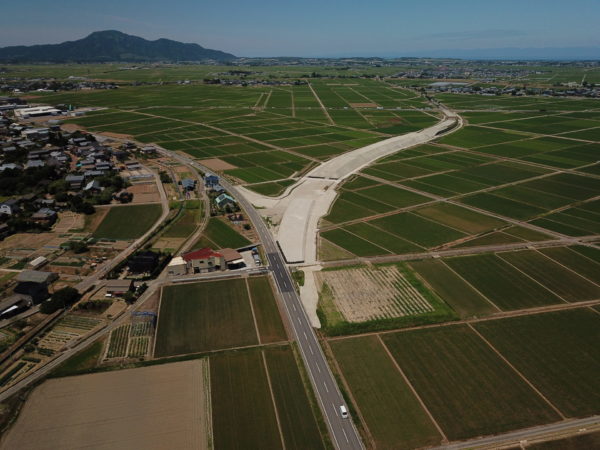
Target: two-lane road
x,y
342,430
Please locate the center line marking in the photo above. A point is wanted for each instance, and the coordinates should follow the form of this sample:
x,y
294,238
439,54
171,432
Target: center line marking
x,y
324,384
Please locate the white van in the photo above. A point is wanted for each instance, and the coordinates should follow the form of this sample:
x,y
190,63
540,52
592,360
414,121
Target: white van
x,y
343,412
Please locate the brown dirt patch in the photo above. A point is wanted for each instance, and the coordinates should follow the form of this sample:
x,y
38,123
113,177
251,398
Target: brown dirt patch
x,y
165,243
116,135
154,407
180,169
364,105
71,127
144,193
217,164
26,241
68,220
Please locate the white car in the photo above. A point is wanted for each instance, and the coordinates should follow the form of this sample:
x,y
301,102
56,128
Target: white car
x,y
343,412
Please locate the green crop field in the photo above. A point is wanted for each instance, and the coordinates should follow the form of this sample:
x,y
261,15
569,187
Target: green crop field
x,y
117,224
465,300
468,388
218,234
204,316
555,277
392,414
243,415
296,416
187,223
558,352
505,286
566,256
268,318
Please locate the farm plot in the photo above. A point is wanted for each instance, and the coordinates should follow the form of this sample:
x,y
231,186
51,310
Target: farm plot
x,y
297,418
117,224
58,413
390,410
119,340
469,389
68,330
474,137
577,262
462,297
460,218
558,352
204,316
501,283
268,318
243,411
218,234
365,294
555,277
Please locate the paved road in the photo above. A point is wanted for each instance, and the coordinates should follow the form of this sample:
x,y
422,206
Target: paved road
x,y
342,431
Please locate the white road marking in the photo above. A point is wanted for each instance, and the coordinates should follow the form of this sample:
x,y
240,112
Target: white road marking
x,y
305,336
294,306
334,409
311,350
345,435
318,368
326,388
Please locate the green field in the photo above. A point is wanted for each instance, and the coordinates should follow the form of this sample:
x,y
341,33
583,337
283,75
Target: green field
x,y
117,224
187,223
218,234
204,316
242,407
268,318
467,387
465,300
555,277
558,352
505,286
392,414
297,418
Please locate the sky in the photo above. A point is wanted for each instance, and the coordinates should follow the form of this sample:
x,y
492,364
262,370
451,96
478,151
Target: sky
x,y
318,28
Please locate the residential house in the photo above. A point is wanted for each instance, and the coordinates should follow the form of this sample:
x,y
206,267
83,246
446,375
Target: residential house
x,y
45,215
188,184
118,287
75,181
210,180
224,200
204,260
10,207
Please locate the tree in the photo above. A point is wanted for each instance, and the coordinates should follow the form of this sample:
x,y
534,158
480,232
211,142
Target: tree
x,y
63,298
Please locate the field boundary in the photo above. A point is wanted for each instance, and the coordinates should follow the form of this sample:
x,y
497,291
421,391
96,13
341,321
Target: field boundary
x,y
413,390
518,372
160,298
566,268
266,367
252,310
499,255
469,284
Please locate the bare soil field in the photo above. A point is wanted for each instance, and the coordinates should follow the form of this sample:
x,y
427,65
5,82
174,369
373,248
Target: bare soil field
x,y
144,193
68,220
26,241
154,407
363,294
164,243
216,164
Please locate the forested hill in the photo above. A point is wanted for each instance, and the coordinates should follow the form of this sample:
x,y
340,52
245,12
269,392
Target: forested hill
x,y
102,46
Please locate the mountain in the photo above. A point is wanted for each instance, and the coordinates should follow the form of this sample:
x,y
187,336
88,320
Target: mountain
x,y
103,46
